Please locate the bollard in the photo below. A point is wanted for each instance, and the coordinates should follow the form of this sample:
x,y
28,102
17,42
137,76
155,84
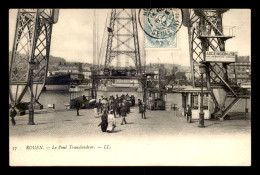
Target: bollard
x,y
201,120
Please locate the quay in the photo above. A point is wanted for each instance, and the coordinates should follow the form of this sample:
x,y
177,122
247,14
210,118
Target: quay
x,y
158,140
65,124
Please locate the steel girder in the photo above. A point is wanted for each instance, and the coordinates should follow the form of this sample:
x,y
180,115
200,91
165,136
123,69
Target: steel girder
x,y
208,19
121,39
31,44
208,22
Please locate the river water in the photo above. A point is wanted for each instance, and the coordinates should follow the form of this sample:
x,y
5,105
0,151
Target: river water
x,y
60,98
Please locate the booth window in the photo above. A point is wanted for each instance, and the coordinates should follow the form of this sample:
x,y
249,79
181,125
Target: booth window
x,y
205,102
195,101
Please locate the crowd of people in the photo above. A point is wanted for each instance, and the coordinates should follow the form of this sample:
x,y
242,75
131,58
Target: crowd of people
x,y
110,108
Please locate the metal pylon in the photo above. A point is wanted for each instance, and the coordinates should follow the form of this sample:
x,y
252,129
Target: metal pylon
x,y
31,44
205,32
123,37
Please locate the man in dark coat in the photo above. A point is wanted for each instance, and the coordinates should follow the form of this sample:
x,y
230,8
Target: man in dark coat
x,y
127,106
77,107
104,122
12,115
139,104
132,100
117,104
119,109
84,101
143,110
123,113
188,113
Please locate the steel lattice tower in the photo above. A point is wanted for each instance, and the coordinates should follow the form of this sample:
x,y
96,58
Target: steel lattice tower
x,y
123,37
206,33
31,44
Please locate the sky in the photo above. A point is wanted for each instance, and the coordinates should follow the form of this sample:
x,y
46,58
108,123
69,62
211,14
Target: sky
x,y
72,36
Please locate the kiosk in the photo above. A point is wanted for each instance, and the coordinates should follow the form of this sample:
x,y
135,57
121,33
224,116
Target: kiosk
x,y
156,99
192,97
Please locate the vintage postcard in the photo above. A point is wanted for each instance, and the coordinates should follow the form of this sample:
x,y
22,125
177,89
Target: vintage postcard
x,y
130,87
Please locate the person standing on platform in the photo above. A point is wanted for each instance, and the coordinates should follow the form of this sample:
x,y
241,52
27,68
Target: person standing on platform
x,y
143,110
77,107
188,113
123,114
119,109
84,101
117,104
104,122
139,104
12,115
111,121
132,100
117,98
127,106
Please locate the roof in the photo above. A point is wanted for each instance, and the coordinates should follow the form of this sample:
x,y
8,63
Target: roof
x,y
242,59
197,89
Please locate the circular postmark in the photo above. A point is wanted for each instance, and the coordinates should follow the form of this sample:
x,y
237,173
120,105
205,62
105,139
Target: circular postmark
x,y
160,23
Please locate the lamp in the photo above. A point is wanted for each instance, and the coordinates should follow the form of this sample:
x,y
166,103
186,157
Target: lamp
x,y
32,66
201,114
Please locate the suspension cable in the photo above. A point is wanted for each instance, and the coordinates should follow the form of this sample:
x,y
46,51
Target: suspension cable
x,y
101,53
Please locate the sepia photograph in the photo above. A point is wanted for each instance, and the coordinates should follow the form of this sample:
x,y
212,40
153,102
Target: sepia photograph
x,y
130,87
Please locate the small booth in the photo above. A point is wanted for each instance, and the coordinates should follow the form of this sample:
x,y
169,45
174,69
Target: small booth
x,y
192,97
156,99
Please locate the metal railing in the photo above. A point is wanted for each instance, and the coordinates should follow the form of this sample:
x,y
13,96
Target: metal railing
x,y
214,31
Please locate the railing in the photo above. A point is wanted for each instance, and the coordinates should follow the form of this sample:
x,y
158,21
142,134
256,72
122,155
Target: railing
x,y
223,31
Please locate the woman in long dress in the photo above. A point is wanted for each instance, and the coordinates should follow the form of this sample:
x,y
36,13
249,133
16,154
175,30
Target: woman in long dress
x,y
104,122
111,121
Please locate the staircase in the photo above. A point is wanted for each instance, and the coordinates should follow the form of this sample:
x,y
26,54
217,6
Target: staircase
x,y
230,106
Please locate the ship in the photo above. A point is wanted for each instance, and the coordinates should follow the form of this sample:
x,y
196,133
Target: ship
x,y
63,81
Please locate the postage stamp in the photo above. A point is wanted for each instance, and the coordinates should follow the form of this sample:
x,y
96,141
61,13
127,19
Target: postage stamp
x,y
160,26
